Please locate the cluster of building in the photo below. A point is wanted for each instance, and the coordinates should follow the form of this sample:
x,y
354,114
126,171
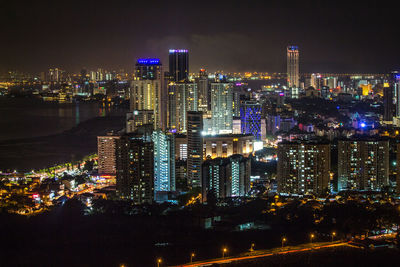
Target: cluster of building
x,y
176,127
186,131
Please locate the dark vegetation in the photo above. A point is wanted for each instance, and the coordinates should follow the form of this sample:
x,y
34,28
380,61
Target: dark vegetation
x,y
115,232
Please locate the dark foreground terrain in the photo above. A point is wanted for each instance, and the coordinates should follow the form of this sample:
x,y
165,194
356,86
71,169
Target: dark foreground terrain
x,y
340,256
64,237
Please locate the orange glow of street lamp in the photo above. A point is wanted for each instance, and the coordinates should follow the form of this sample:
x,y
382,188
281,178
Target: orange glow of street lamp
x,y
224,250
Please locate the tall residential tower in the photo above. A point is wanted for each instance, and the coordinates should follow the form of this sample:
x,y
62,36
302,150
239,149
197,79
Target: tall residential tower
x,y
178,65
293,76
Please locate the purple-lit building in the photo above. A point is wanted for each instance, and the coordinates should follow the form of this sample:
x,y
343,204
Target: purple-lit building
x,y
250,119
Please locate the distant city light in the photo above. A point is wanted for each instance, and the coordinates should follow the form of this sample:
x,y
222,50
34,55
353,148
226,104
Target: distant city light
x,y
258,145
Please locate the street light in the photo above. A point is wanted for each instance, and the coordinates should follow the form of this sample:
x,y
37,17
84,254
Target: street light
x,y
191,257
333,235
159,260
312,237
283,241
252,247
224,250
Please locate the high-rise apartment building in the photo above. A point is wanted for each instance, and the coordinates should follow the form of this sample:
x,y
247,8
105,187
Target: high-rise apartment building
x,y
388,102
182,97
363,164
148,69
147,91
164,163
250,119
395,80
178,65
303,167
135,169
194,147
221,108
293,76
138,118
226,177
106,147
204,92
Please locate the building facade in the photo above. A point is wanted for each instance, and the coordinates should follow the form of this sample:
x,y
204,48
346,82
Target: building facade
x,y
250,119
303,167
223,146
182,97
178,65
226,177
135,169
363,164
106,147
221,108
164,163
194,147
293,76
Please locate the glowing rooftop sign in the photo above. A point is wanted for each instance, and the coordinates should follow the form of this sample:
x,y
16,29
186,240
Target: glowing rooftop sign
x,y
178,51
148,61
293,47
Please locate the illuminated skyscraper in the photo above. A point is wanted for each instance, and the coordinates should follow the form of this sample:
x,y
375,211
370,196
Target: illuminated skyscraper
x,y
135,169
106,146
293,76
164,163
221,108
138,118
388,102
148,69
194,147
303,167
203,89
250,118
363,164
226,177
147,90
178,65
395,80
182,97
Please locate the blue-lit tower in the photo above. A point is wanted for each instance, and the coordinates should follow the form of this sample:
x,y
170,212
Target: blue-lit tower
x,y
164,164
148,69
250,118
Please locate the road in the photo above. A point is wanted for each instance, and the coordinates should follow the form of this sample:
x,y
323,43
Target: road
x,y
267,253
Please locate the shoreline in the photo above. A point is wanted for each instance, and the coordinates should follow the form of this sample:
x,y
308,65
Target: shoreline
x,y
70,145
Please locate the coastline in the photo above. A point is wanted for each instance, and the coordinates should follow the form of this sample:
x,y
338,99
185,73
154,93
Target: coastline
x,y
45,151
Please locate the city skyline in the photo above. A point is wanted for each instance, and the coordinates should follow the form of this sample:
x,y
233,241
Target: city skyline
x,y
356,39
278,145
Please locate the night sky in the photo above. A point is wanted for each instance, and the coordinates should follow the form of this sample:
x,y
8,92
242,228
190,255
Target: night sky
x,y
220,35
